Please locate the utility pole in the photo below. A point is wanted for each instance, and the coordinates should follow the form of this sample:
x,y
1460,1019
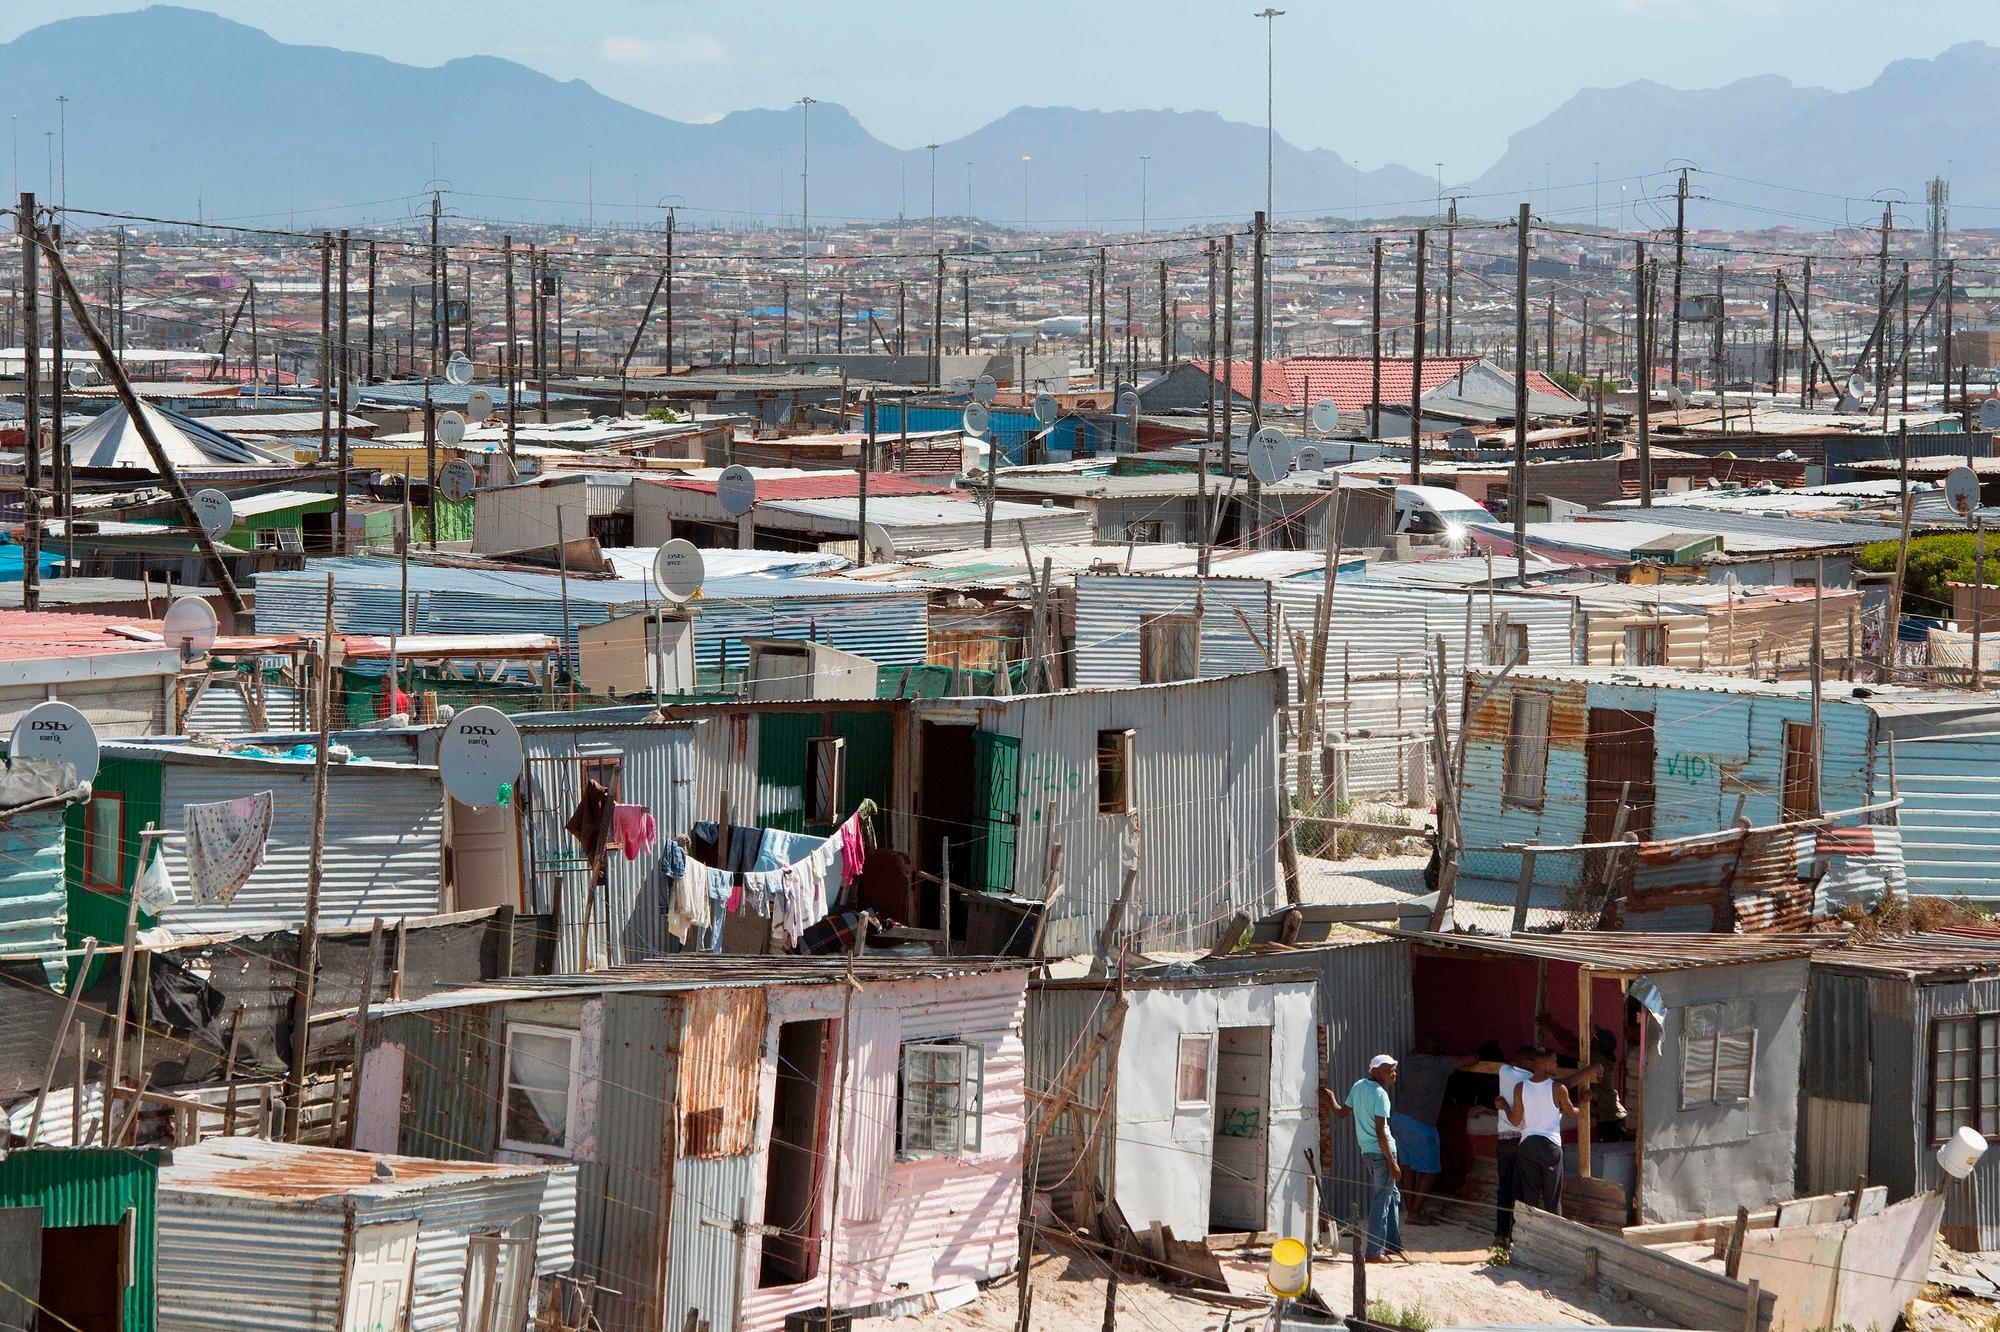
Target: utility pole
x,y
1103,311
1270,17
933,147
325,346
1228,472
1166,348
31,385
1808,367
1375,350
1257,226
1645,352
436,203
1417,371
1202,522
670,295
511,361
805,223
120,287
1518,501
1680,243
1450,278
368,376
346,364
965,310
1721,365
541,354
65,481
1950,285
937,326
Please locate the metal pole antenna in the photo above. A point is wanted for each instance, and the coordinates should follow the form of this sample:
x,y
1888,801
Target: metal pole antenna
x,y
805,217
933,147
1270,16
62,151
1144,158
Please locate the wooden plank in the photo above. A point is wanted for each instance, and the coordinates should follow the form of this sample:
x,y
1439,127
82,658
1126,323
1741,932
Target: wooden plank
x,y
1664,1285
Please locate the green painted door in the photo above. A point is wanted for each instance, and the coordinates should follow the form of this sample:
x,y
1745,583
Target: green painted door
x,y
996,792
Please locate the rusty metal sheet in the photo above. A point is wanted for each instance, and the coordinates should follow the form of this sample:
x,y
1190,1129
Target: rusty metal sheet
x,y
719,1070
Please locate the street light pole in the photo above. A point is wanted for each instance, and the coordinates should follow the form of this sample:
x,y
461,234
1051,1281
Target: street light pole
x,y
933,147
1270,17
805,217
1144,159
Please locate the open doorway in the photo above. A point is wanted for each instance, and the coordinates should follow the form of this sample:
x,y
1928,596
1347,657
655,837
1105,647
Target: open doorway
x,y
798,1149
1238,1192
83,1279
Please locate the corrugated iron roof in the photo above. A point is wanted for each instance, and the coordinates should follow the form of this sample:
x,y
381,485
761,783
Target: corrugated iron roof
x,y
282,1171
39,635
830,485
1635,952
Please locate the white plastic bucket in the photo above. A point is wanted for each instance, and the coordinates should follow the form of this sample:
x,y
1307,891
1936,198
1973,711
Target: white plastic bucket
x,y
1961,1152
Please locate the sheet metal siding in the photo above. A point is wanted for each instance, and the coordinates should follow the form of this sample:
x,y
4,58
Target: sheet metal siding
x,y
890,628
1365,1010
1008,427
232,1264
625,923
622,1183
448,1216
1897,1037
1837,1029
34,898
384,836
1060,1022
1204,788
1111,607
1489,821
1951,813
1972,1209
706,1260
86,1186
451,1082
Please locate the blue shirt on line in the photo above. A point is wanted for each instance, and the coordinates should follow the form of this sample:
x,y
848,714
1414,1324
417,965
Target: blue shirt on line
x,y
1369,1100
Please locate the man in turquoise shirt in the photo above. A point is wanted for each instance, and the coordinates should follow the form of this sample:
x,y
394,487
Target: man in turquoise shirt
x,y
1369,1102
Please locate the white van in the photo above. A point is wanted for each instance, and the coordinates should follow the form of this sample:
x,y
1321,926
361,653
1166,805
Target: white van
x,y
1437,511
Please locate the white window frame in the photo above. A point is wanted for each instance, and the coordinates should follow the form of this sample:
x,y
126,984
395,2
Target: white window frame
x,y
1524,786
500,1291
826,757
1706,1051
1502,637
1635,644
1205,1041
1127,745
567,1148
913,1135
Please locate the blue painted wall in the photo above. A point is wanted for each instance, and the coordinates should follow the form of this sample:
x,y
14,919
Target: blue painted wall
x,y
1073,437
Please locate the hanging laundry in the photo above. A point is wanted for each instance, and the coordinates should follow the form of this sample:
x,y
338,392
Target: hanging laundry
x,y
723,895
590,822
225,844
155,885
853,851
635,828
683,892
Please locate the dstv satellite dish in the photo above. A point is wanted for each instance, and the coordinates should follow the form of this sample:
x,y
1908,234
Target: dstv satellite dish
x,y
1128,403
736,491
189,625
960,384
976,418
1047,408
77,376
479,753
1961,491
1857,386
1311,459
1462,438
451,429
880,546
1676,397
984,389
678,571
1270,455
1989,414
456,480
1326,416
478,405
458,369
57,732
216,513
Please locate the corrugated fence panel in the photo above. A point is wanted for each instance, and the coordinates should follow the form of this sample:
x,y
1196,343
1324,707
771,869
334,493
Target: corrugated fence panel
x,y
1837,1045
451,1082
384,842
706,1265
231,1264
1972,1209
621,1234
1951,797
1111,607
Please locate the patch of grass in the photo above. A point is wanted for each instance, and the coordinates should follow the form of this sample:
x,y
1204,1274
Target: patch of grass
x,y
1891,917
1412,1316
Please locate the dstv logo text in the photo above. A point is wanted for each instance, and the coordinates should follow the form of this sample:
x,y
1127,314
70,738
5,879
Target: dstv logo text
x,y
50,726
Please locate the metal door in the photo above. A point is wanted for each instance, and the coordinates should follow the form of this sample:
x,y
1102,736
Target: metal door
x,y
20,1265
378,1284
1618,762
996,778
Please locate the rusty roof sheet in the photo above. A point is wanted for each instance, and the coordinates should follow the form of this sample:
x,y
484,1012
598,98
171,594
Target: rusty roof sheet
x,y
1940,955
290,1172
1635,952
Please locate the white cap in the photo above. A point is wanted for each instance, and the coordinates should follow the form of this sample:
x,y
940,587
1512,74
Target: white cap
x,y
1381,1061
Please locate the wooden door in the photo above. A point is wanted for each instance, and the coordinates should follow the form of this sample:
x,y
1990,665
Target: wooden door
x,y
1619,751
378,1283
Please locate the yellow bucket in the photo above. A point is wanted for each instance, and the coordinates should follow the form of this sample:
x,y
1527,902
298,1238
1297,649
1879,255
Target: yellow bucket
x,y
1291,1269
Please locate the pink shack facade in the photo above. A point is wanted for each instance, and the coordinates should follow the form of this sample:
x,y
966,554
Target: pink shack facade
x,y
732,1148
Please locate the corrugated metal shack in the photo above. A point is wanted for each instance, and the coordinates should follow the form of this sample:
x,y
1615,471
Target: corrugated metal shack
x,y
281,1236
34,900
885,624
124,685
88,1260
1197,1112
1707,1033
1900,1052
704,1102
1364,1010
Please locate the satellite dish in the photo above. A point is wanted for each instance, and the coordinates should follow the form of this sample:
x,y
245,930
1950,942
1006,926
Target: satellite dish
x,y
678,571
878,544
1849,403
960,384
1989,414
1326,416
1311,459
479,753
1961,491
1270,455
1461,438
976,418
451,429
216,513
456,480
189,625
1128,403
984,389
59,733
77,376
1676,397
478,405
1857,386
736,491
458,369
1047,408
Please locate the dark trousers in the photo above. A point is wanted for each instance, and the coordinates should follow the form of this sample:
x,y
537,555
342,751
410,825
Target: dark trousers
x,y
1506,1154
1539,1174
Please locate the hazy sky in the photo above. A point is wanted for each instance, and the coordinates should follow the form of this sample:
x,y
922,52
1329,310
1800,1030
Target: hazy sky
x,y
1416,82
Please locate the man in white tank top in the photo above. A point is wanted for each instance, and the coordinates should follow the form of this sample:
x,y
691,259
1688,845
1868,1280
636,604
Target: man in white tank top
x,y
1537,1110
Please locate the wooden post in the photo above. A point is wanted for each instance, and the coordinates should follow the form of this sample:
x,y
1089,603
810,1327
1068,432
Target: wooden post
x,y
1521,890
1583,1125
1360,1261
302,994
1732,1254
229,1072
1110,1323
1752,1298
76,982
944,903
361,1018
116,1066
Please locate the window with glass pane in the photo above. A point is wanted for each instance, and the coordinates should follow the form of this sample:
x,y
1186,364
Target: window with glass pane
x,y
104,842
943,1097
1191,1086
1989,1074
540,1086
1718,1053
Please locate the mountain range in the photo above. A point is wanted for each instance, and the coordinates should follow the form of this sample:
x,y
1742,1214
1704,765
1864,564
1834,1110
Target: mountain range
x,y
174,110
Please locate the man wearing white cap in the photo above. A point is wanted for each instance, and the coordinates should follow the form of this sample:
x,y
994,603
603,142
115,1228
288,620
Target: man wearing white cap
x,y
1368,1100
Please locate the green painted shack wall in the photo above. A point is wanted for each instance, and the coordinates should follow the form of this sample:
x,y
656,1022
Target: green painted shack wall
x,y
87,1186
781,762
98,914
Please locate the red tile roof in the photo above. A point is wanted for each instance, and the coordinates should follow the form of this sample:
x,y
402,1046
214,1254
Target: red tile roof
x,y
1299,381
832,485
40,635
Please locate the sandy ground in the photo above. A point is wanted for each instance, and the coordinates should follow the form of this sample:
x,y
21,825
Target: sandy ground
x,y
1449,1278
